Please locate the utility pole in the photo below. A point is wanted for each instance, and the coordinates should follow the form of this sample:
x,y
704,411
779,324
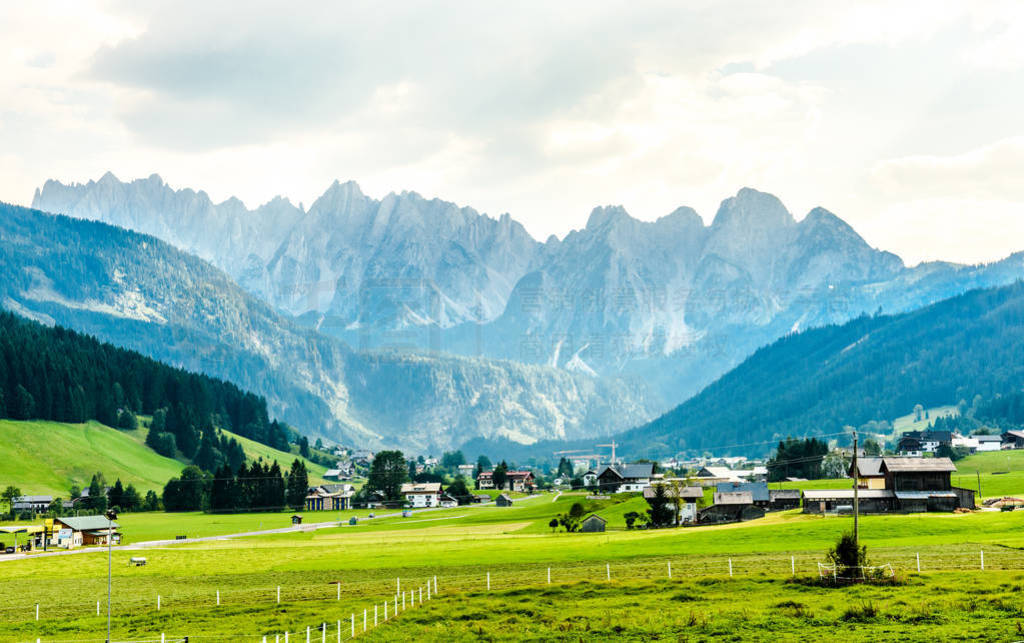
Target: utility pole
x,y
856,495
978,473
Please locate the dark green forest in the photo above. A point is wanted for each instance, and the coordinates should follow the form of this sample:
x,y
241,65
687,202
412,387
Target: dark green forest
x,y
57,374
872,368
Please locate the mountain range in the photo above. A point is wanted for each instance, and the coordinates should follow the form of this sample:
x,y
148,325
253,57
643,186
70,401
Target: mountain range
x,y
654,311
138,292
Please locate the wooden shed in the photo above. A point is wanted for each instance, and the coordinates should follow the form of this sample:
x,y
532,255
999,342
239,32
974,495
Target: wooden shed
x,y
504,500
593,523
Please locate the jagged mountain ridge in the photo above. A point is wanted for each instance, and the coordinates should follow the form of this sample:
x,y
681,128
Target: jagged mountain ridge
x,y
136,291
671,304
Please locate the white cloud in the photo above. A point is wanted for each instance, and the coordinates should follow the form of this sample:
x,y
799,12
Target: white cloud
x,y
537,109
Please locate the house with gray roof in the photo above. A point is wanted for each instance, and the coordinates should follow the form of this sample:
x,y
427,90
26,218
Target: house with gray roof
x,y
623,478
76,531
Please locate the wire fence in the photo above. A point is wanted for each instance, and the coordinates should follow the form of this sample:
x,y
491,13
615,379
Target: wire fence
x,y
398,590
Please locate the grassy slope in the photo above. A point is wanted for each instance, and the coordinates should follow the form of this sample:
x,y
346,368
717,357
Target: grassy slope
x,y
41,457
48,457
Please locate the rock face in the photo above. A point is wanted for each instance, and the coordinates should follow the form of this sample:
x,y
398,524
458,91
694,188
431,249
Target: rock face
x,y
670,304
136,291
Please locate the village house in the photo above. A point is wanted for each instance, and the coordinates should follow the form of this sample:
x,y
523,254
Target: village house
x,y
624,478
689,497
589,478
521,481
730,506
35,504
869,473
910,485
917,443
466,470
1012,439
447,501
81,531
503,500
330,497
988,442
762,496
422,494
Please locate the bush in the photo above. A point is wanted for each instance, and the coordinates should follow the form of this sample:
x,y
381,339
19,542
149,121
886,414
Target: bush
x,y
847,557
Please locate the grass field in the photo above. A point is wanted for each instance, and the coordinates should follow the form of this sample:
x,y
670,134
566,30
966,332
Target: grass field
x,y
48,457
952,598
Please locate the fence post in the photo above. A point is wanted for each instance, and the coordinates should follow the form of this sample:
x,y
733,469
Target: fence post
x,y
163,639
730,568
286,636
158,602
37,611
608,570
403,601
670,569
364,619
218,597
353,625
396,604
428,589
792,565
398,584
549,575
982,560
488,581
375,615
307,634
279,602
385,610
918,562
339,590
323,633
421,596
435,584
97,608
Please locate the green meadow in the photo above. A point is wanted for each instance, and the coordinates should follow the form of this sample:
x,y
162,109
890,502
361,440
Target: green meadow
x,y
611,586
48,457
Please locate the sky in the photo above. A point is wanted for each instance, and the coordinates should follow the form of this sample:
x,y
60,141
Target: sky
x,y
905,119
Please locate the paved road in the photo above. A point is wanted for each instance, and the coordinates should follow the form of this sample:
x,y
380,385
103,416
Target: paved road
x,y
281,530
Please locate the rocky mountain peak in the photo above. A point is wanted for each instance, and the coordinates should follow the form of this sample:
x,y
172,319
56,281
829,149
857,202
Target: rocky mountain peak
x,y
753,208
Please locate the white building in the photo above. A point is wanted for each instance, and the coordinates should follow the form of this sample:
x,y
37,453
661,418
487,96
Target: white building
x,y
422,494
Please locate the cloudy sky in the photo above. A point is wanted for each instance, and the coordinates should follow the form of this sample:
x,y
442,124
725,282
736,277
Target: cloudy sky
x,y
904,119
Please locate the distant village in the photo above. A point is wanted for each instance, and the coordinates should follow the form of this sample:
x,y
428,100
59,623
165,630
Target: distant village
x,y
916,477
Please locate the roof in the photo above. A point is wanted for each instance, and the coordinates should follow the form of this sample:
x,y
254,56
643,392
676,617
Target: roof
x,y
627,471
868,467
594,517
33,499
336,488
846,494
719,472
520,474
757,490
1016,434
988,438
734,498
332,473
421,487
686,493
924,495
793,494
86,523
917,465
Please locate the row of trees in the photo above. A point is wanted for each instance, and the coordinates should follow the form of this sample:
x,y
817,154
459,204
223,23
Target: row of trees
x,y
258,486
58,374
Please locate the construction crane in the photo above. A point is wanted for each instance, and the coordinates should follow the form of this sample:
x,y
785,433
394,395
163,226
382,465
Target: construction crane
x,y
563,452
612,445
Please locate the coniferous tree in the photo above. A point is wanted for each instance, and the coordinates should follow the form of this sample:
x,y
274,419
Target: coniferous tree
x,y
298,485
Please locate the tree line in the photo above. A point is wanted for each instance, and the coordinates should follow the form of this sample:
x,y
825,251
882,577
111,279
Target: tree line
x,y
60,375
258,486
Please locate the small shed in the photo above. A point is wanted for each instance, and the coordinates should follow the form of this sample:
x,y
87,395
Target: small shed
x,y
592,523
504,500
296,519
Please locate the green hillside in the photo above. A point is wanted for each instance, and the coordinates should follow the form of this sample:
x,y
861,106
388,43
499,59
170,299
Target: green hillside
x,y
872,368
41,457
48,457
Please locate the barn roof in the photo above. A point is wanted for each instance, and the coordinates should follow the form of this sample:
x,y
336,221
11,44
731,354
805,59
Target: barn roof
x,y
868,467
846,494
918,465
86,523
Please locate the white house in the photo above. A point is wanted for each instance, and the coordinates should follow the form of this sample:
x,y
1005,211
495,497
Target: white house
x,y
422,494
988,442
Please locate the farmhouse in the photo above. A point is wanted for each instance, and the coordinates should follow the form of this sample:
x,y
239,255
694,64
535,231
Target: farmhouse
x,y
622,478
730,506
330,497
783,499
689,496
988,442
593,523
85,530
35,504
917,443
447,501
521,481
422,494
910,485
504,500
869,473
1013,439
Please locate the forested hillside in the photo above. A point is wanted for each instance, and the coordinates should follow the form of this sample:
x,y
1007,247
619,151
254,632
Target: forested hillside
x,y
58,374
872,368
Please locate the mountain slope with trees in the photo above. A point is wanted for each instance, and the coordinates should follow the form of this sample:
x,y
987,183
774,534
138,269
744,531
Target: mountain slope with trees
x,y
872,368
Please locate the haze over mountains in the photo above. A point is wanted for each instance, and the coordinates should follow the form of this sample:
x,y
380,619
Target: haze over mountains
x,y
669,305
138,292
